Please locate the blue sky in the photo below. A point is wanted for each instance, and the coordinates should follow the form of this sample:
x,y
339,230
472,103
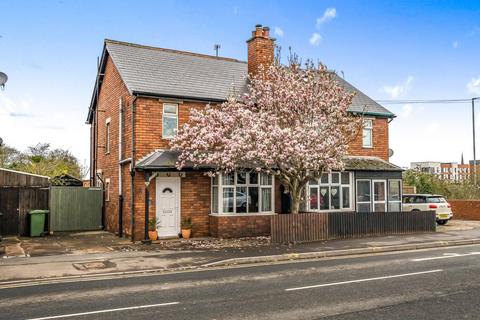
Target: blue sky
x,y
388,49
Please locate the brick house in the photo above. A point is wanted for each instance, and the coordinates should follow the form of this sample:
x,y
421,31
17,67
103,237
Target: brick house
x,y
143,94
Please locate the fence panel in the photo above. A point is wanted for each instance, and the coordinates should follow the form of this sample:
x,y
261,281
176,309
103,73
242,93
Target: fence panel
x,y
75,208
299,227
306,227
30,199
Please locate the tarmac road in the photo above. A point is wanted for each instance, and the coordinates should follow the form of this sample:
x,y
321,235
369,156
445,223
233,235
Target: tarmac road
x,y
429,284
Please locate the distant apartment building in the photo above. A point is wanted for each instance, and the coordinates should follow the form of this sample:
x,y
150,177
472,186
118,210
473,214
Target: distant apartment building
x,y
453,171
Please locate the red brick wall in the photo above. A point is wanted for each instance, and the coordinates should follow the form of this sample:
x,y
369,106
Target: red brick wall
x,y
380,141
240,226
112,89
195,202
465,209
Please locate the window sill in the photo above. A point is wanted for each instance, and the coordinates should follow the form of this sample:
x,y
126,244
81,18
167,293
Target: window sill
x,y
367,147
243,214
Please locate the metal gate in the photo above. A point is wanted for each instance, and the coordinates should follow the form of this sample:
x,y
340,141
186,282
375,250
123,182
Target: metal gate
x,y
75,208
15,203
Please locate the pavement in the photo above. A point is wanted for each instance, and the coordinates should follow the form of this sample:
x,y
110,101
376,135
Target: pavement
x,y
100,253
433,284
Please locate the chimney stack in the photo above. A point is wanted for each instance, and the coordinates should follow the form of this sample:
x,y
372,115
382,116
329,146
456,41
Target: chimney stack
x,y
260,49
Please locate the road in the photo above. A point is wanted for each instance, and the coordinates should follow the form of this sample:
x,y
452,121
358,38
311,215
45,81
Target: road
x,y
430,284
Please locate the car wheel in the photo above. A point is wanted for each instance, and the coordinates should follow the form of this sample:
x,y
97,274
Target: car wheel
x,y
442,222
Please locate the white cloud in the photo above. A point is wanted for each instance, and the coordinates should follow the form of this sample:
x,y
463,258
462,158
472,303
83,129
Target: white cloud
x,y
328,15
474,86
278,32
455,44
406,110
315,39
397,90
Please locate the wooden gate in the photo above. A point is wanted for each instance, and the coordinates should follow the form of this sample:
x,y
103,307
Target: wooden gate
x,y
75,208
15,203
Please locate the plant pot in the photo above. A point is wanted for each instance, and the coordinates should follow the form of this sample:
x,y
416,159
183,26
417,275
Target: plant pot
x,y
153,235
186,233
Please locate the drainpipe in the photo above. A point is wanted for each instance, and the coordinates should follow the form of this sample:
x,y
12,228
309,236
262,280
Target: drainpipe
x,y
146,239
132,173
120,154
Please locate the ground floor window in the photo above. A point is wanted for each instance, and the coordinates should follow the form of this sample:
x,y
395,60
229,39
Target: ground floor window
x,y
331,192
379,195
242,192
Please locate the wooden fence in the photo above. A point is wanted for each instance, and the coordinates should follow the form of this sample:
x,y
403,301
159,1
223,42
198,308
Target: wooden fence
x,y
305,227
15,203
75,208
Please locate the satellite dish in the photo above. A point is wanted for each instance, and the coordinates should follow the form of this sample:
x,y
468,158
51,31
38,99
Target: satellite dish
x,y
390,152
3,79
1,142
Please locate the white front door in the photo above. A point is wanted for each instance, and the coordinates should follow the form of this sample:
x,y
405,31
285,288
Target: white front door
x,y
168,206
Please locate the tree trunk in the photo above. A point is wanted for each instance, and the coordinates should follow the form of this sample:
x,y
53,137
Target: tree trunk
x,y
296,199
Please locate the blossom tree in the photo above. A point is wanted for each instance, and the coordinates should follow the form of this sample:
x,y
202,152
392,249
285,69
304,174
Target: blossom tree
x,y
292,123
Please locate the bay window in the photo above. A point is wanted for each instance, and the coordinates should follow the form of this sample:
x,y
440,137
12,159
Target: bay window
x,y
331,192
242,193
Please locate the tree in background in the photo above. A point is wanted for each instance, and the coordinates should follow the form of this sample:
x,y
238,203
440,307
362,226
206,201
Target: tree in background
x,y
430,183
42,160
292,122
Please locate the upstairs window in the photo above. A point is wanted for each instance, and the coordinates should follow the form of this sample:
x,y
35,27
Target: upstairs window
x,y
368,133
169,120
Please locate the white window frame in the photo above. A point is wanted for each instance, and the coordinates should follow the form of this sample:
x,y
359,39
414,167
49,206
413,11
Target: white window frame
x,y
171,116
371,194
330,184
367,126
247,185
388,194
107,135
385,190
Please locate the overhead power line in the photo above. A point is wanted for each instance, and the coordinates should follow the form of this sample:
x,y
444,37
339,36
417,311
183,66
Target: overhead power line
x,y
426,101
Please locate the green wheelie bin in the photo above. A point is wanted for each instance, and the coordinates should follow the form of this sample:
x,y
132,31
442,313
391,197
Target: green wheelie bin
x,y
37,222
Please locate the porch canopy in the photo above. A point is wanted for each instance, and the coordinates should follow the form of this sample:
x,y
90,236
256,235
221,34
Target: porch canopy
x,y
164,160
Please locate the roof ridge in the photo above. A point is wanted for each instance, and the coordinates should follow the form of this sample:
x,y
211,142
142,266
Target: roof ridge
x,y
200,55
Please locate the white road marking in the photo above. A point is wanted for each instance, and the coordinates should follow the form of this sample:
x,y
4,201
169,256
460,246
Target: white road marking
x,y
449,256
364,280
105,311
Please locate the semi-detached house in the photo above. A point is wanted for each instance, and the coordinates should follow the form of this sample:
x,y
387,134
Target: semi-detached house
x,y
143,94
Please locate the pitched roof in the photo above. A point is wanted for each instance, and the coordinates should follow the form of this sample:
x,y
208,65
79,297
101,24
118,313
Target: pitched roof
x,y
365,163
176,73
166,159
179,74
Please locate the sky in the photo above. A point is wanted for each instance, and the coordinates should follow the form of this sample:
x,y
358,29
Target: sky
x,y
391,50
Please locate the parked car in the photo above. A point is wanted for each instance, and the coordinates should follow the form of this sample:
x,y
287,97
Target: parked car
x,y
425,202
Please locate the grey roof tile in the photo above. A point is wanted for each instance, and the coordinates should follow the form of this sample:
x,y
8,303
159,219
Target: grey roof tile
x,y
174,73
166,159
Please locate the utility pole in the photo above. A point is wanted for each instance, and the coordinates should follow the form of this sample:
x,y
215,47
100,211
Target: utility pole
x,y
474,154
